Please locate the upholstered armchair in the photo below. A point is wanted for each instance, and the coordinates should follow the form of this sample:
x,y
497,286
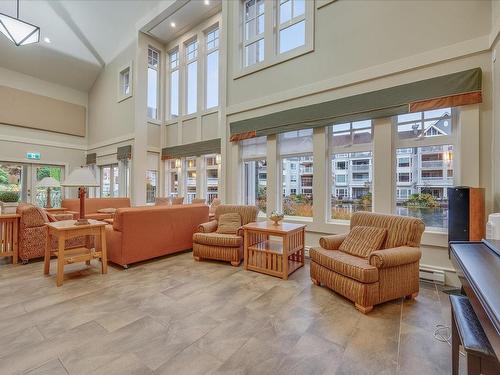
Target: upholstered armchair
x,y
222,238
33,231
377,261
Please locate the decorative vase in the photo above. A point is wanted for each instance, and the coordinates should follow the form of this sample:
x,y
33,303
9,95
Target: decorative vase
x,y
276,217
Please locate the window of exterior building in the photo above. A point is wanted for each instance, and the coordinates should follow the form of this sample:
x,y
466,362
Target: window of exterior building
x,y
254,174
253,34
296,152
125,83
212,69
190,178
192,77
151,185
174,83
425,172
292,24
172,178
153,87
110,184
351,173
212,178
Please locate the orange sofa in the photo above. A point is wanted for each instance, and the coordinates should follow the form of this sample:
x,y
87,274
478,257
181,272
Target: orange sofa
x,y
92,205
142,233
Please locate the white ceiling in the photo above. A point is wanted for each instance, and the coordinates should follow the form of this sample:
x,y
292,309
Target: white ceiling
x,y
84,35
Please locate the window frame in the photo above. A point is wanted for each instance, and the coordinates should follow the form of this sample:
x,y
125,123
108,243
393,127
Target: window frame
x,y
121,95
187,61
208,51
158,69
172,70
291,22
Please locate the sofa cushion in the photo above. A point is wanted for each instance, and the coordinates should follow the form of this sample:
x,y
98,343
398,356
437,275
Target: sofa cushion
x,y
362,241
345,264
218,239
229,223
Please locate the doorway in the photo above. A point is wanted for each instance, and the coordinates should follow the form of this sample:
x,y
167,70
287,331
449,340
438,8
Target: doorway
x,y
22,179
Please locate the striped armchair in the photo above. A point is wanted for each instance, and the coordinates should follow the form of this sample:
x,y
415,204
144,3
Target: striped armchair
x,y
390,272
207,244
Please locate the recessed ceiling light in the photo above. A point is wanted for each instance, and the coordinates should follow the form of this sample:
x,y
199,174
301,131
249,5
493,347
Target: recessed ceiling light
x,y
172,24
207,2
46,40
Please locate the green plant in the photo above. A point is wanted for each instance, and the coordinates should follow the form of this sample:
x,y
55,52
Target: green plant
x,y
421,200
9,196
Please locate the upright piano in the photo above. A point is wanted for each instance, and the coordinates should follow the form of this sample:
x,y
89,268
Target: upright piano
x,y
478,268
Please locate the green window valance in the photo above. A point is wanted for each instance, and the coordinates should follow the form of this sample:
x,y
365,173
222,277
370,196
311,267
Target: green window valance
x,y
124,152
212,146
451,90
91,159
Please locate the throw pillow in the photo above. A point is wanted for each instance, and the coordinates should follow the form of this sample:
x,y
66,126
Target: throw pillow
x,y
362,241
229,223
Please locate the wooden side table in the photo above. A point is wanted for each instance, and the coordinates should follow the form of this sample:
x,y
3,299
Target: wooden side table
x,y
9,232
64,230
276,257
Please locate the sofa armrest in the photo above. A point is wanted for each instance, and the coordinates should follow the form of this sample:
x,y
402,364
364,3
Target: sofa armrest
x,y
332,242
208,227
397,256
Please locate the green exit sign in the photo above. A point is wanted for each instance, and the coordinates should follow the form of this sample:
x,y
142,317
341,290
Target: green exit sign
x,y
33,155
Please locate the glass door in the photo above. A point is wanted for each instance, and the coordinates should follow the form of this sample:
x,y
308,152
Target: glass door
x,y
39,193
12,176
110,185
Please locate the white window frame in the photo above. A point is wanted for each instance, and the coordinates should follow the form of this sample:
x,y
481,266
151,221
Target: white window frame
x,y
189,61
207,168
185,176
121,95
169,170
112,180
255,38
171,70
443,140
344,149
158,80
270,36
208,51
285,25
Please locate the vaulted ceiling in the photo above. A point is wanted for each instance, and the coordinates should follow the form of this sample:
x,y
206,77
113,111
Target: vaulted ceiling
x,y
84,36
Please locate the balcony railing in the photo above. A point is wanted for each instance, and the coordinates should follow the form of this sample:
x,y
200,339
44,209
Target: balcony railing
x,y
360,168
433,164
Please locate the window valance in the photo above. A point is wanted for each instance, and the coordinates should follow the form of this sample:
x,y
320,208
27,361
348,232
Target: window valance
x,y
212,146
91,159
450,90
124,152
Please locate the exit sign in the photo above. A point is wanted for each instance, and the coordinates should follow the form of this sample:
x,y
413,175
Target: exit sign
x,y
33,155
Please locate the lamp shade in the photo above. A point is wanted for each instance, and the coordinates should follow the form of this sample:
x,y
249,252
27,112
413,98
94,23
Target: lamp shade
x,y
19,32
48,182
80,177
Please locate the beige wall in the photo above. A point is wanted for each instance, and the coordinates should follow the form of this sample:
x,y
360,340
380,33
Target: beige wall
x,y
496,126
109,119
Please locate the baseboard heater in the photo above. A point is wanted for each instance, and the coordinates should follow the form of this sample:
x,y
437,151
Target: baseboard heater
x,y
432,275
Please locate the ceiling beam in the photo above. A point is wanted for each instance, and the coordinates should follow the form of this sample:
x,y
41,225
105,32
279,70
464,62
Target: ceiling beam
x,y
62,12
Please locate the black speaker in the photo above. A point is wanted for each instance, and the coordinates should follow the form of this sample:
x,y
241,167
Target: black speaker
x,y
466,214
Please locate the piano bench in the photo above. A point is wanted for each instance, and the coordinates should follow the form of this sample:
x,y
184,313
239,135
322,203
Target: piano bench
x,y
467,330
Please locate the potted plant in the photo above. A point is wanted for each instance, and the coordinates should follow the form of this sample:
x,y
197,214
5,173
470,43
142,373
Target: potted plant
x,y
9,201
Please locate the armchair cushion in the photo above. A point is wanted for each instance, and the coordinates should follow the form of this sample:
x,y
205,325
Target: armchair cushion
x,y
362,241
229,223
218,239
397,256
347,265
209,227
332,242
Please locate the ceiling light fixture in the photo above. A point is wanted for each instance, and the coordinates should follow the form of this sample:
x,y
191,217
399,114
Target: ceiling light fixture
x,y
172,24
46,40
19,32
207,2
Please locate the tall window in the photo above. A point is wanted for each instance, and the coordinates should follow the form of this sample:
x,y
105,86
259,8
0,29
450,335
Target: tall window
x,y
292,24
212,178
152,177
351,168
253,155
172,177
295,149
212,69
174,83
253,25
192,77
109,181
190,178
424,173
153,75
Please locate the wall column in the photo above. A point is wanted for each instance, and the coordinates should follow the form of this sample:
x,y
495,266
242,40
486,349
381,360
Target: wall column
x,y
320,178
273,189
383,164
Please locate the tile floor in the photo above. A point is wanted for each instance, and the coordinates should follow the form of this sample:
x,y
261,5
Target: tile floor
x,y
177,316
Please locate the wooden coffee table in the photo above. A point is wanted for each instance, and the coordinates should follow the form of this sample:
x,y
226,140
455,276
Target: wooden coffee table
x,y
66,229
278,256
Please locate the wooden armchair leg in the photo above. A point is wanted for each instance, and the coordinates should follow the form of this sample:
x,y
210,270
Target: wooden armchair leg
x,y
411,296
315,282
235,263
363,309
197,258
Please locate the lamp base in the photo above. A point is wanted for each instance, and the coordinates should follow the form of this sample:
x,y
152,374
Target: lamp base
x,y
82,222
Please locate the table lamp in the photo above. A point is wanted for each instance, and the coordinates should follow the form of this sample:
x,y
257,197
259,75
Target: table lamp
x,y
81,178
49,183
